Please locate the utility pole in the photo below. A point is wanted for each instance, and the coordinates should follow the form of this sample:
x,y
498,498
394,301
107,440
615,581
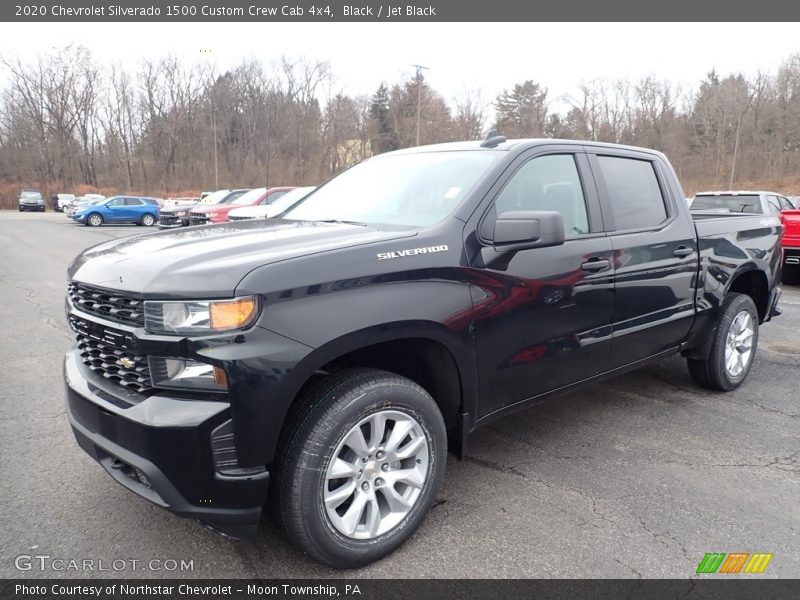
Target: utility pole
x,y
419,94
214,126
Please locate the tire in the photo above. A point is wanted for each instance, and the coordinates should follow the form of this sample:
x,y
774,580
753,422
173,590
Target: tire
x,y
727,367
318,447
94,220
148,220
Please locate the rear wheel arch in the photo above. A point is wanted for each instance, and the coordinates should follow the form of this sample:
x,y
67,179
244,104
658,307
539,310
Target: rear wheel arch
x,y
752,282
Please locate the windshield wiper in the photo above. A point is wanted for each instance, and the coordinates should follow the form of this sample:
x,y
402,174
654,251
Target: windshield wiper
x,y
342,222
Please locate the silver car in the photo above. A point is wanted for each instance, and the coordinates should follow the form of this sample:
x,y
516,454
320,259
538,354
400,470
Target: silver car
x,y
31,200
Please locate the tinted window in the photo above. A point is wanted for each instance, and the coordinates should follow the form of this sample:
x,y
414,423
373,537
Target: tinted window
x,y
633,189
133,202
730,202
548,183
773,204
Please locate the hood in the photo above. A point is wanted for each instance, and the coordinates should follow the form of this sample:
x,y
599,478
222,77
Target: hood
x,y
210,261
179,207
249,211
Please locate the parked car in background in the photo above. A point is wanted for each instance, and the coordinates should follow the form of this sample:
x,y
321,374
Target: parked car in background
x,y
756,203
218,213
177,215
31,200
271,205
82,201
64,200
791,246
118,209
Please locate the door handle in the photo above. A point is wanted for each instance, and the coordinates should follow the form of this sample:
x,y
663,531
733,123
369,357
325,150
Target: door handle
x,y
596,264
682,251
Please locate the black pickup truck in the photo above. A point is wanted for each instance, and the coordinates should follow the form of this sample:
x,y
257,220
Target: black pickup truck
x,y
329,358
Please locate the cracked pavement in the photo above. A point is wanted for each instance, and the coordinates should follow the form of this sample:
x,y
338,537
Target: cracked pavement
x,y
636,477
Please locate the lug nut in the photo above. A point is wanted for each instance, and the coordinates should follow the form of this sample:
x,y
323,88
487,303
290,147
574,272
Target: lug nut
x,y
379,482
365,459
379,455
385,467
365,486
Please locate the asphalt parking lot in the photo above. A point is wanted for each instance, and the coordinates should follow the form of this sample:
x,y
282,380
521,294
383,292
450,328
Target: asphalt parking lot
x,y
637,477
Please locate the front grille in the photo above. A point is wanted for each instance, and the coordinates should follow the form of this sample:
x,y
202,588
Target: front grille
x,y
123,367
198,219
107,304
169,220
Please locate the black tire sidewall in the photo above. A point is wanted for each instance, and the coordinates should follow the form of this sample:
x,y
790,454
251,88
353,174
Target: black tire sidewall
x,y
735,305
331,546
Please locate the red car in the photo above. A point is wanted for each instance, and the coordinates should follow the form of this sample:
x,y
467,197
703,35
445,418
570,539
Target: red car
x,y
791,245
218,213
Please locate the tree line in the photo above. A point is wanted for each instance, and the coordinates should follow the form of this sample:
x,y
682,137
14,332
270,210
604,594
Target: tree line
x,y
68,121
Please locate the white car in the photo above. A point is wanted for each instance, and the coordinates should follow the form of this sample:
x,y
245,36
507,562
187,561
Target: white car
x,y
64,200
267,211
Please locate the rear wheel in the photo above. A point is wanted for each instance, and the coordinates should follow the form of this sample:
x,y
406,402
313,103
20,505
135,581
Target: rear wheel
x,y
94,220
364,461
148,220
733,347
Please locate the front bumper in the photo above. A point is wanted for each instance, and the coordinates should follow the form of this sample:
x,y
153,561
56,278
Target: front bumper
x,y
25,206
168,221
160,448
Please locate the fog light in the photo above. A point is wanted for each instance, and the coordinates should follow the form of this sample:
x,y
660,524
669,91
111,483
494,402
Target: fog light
x,y
183,373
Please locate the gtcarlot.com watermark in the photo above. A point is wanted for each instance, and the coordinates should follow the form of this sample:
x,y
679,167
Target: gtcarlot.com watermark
x,y
57,564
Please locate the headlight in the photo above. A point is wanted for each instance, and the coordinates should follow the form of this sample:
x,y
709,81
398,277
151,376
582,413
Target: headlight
x,y
200,316
183,373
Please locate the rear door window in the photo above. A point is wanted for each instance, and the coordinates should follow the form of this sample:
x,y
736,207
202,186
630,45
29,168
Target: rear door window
x,y
633,191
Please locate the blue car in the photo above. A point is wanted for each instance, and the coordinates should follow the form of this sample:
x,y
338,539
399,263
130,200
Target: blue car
x,y
118,209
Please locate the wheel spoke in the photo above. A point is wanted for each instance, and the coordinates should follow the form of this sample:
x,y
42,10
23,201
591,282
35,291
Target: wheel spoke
x,y
377,427
399,432
355,440
374,516
410,449
395,501
412,477
352,516
334,498
341,468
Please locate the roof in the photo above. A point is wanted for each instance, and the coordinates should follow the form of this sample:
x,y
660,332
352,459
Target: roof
x,y
517,144
736,193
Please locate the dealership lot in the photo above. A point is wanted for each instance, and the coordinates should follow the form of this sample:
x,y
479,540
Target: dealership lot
x,y
640,476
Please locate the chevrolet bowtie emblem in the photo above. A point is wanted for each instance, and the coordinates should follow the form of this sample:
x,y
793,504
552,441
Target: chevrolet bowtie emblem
x,y
126,363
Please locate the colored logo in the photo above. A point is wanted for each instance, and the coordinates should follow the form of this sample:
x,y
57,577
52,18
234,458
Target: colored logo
x,y
735,562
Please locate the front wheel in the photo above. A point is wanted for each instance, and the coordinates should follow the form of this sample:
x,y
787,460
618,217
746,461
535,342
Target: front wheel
x,y
364,461
148,220
94,220
733,346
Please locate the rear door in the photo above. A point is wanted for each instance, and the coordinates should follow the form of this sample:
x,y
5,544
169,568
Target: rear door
x,y
655,253
134,209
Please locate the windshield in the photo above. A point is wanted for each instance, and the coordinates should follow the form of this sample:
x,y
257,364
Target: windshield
x,y
415,190
732,202
29,194
216,197
289,199
250,197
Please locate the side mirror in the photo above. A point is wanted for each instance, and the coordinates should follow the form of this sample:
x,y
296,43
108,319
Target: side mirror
x,y
522,229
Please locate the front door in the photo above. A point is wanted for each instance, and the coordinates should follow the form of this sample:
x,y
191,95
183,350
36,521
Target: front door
x,y
542,316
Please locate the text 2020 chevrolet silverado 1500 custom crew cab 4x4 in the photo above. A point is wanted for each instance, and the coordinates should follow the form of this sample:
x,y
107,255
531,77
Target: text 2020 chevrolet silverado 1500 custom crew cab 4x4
x,y
333,354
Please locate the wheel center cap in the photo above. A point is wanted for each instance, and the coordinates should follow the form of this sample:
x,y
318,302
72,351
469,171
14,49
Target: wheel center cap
x,y
371,470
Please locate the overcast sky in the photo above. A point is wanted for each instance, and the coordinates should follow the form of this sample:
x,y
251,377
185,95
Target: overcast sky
x,y
460,55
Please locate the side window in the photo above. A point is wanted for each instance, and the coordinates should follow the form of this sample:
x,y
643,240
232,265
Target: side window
x,y
633,191
785,204
117,202
133,202
773,204
548,183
